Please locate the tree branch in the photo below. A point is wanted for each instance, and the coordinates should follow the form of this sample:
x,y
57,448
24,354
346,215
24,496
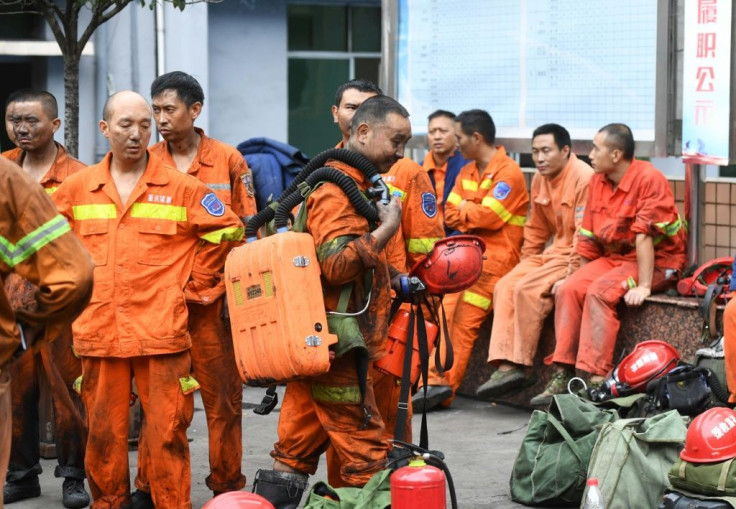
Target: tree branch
x,y
48,10
99,17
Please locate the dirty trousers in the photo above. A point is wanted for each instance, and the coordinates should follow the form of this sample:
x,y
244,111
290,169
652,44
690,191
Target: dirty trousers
x,y
325,410
168,411
213,366
56,363
521,302
729,346
586,320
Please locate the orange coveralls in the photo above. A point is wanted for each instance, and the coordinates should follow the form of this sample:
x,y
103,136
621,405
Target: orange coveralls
x,y
225,172
729,347
136,323
586,322
421,227
495,210
521,298
326,410
439,176
54,361
36,244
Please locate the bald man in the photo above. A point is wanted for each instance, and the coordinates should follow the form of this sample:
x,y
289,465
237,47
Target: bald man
x,y
146,225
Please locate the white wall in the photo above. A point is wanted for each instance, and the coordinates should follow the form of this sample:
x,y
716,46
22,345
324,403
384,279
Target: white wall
x,y
248,83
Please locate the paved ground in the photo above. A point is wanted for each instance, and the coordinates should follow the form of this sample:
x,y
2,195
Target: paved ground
x,y
480,441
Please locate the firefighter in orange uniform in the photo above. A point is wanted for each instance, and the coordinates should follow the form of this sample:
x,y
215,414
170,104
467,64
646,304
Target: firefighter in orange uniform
x,y
421,227
35,120
729,347
177,102
525,296
55,261
489,200
631,242
144,223
329,409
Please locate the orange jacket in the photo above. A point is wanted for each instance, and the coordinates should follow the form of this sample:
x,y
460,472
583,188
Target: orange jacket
x,y
12,154
641,203
224,170
346,250
144,254
64,165
557,212
495,209
35,243
421,224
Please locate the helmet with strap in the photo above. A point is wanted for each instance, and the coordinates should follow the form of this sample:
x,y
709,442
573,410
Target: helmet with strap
x,y
454,264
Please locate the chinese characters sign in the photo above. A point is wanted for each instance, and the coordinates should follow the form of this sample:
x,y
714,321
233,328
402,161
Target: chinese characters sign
x,y
706,98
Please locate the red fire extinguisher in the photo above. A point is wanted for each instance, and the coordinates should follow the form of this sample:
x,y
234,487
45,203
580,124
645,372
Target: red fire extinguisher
x,y
418,485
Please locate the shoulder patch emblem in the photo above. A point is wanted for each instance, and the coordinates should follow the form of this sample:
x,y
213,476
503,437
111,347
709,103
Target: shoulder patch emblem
x,y
429,204
247,179
501,191
213,205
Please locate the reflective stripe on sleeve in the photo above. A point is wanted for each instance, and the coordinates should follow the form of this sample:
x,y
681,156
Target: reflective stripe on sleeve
x,y
671,228
477,300
486,184
349,394
219,187
587,233
397,192
454,198
159,211
13,254
94,211
502,212
50,190
421,246
469,185
223,234
334,246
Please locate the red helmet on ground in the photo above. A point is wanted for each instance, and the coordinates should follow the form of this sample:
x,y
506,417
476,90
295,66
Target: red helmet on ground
x,y
453,265
711,437
649,360
238,500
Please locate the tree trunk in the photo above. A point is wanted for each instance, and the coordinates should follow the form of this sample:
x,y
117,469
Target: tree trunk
x,y
71,101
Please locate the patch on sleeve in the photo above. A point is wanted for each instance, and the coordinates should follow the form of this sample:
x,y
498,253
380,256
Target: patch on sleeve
x,y
247,179
429,204
501,191
213,205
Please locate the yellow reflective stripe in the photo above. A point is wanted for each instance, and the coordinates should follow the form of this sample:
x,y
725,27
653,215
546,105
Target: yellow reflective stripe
x,y
188,384
94,211
421,246
349,394
477,300
397,192
159,211
587,233
486,184
13,254
50,190
502,212
223,234
469,185
77,385
671,229
454,198
631,282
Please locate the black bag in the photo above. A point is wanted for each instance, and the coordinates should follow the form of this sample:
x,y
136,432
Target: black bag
x,y
684,389
675,500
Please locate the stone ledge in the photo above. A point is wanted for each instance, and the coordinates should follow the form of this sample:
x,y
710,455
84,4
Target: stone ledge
x,y
676,320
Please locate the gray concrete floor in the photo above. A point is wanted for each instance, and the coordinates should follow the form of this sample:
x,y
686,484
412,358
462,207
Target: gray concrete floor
x,y
480,442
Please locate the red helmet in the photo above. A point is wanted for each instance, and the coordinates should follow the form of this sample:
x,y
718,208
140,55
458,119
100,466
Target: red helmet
x,y
238,500
649,360
711,437
453,265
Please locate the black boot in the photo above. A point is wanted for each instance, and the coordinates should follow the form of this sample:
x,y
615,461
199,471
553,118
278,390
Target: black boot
x,y
283,489
74,495
14,491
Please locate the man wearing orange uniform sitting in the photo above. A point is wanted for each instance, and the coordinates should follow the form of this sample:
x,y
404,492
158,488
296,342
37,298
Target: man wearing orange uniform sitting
x,y
525,296
489,200
146,225
631,242
729,343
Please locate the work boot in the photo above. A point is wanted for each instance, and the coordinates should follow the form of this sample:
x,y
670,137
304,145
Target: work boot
x,y
283,489
500,383
556,385
73,494
13,491
141,500
436,394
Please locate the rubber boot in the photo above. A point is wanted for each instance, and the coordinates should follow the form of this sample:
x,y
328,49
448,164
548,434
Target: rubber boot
x,y
283,489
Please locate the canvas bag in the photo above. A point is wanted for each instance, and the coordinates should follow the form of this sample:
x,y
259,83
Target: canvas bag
x,y
715,479
632,457
376,494
552,463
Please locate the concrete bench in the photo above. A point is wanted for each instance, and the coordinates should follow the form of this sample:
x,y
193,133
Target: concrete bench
x,y
676,320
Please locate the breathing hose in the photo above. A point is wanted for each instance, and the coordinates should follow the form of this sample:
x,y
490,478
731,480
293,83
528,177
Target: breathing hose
x,y
715,386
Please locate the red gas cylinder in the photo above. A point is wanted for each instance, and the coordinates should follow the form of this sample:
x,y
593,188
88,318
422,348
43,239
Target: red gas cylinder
x,y
418,485
238,500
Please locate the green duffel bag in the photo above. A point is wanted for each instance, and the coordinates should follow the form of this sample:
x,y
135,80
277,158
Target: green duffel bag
x,y
376,494
715,479
552,463
632,457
